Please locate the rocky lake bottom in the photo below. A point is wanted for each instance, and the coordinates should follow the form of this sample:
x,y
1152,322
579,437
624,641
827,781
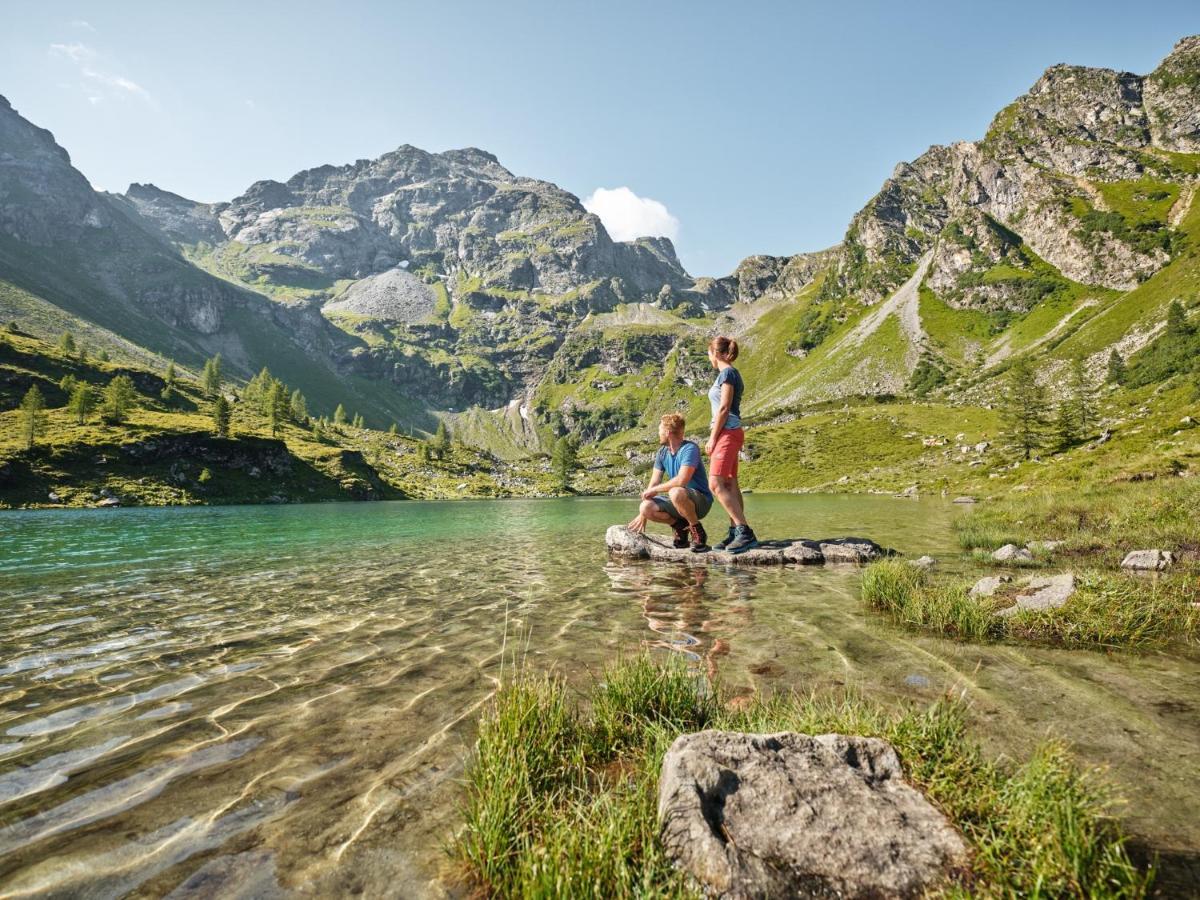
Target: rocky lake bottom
x,y
271,701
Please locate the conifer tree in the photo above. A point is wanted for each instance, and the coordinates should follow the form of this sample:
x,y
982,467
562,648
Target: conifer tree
x,y
66,344
339,415
169,381
67,384
82,402
221,415
1083,399
101,354
358,421
441,441
1024,410
1177,323
1116,368
33,415
423,452
392,430
119,396
317,433
210,378
276,406
563,459
298,408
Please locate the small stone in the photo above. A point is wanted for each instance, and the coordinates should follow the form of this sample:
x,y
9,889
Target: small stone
x,y
923,562
1045,546
919,681
109,502
1042,593
988,585
910,493
53,497
982,446
788,815
1012,553
965,499
1148,560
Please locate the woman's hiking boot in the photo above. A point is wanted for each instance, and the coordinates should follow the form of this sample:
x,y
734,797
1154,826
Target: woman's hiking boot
x,y
699,538
681,534
727,540
743,540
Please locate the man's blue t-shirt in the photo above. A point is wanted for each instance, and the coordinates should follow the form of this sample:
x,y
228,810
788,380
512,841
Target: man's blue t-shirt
x,y
728,375
688,454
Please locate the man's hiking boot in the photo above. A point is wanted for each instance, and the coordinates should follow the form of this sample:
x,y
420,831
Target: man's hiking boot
x,y
743,540
727,540
699,538
681,534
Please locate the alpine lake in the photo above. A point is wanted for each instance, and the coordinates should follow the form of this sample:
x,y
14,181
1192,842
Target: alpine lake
x,y
277,701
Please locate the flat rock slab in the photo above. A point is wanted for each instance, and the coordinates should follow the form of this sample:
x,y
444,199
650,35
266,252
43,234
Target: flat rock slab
x,y
1148,560
1042,593
796,551
789,815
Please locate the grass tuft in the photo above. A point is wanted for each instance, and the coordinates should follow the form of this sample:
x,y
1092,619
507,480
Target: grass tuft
x,y
906,592
561,795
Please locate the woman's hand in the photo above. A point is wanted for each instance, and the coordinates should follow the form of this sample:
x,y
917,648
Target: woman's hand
x,y
638,524
709,446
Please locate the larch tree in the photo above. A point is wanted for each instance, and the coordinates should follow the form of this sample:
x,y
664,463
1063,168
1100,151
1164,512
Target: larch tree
x,y
33,415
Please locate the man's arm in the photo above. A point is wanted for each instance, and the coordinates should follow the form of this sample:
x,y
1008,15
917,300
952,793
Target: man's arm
x,y
656,487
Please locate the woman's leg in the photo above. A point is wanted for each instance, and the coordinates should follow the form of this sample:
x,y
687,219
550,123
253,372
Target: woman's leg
x,y
730,496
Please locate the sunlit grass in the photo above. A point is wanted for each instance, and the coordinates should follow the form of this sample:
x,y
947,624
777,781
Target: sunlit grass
x,y
561,793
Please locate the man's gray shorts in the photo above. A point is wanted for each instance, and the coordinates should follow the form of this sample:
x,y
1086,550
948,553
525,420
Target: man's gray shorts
x,y
703,503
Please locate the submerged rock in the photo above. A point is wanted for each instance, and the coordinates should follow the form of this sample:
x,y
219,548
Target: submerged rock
x,y
1148,560
795,551
1042,593
923,562
789,815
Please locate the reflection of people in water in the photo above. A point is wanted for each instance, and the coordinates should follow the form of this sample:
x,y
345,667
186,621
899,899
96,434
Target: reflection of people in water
x,y
681,606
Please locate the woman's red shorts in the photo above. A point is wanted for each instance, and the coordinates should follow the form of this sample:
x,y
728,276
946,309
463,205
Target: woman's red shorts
x,y
724,460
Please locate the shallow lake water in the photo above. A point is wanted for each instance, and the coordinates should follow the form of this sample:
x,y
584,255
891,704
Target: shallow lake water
x,y
278,701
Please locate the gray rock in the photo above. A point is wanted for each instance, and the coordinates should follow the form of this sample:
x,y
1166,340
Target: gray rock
x,y
1012,553
1148,560
789,815
109,502
852,550
923,562
965,500
987,586
797,551
1042,593
53,497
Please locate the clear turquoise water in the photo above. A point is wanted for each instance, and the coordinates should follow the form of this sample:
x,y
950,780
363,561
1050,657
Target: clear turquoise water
x,y
262,701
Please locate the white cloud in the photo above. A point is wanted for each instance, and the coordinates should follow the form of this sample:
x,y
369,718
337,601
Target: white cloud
x,y
99,81
628,216
82,24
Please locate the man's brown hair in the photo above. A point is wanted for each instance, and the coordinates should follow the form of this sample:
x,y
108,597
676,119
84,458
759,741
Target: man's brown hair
x,y
674,423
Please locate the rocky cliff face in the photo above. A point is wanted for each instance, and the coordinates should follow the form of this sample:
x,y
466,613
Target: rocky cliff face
x,y
1049,175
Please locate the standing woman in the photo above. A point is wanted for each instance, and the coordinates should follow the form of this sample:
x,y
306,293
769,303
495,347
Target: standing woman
x,y
725,441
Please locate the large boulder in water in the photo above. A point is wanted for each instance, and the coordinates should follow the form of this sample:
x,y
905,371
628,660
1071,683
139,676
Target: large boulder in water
x,y
795,551
789,815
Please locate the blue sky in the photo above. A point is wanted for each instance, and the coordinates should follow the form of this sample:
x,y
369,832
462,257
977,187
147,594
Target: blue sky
x,y
760,127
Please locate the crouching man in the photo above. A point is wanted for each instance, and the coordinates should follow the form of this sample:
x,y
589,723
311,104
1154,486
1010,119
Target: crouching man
x,y
683,498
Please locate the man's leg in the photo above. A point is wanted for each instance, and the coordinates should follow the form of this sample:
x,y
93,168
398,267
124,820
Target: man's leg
x,y
683,503
727,491
655,513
